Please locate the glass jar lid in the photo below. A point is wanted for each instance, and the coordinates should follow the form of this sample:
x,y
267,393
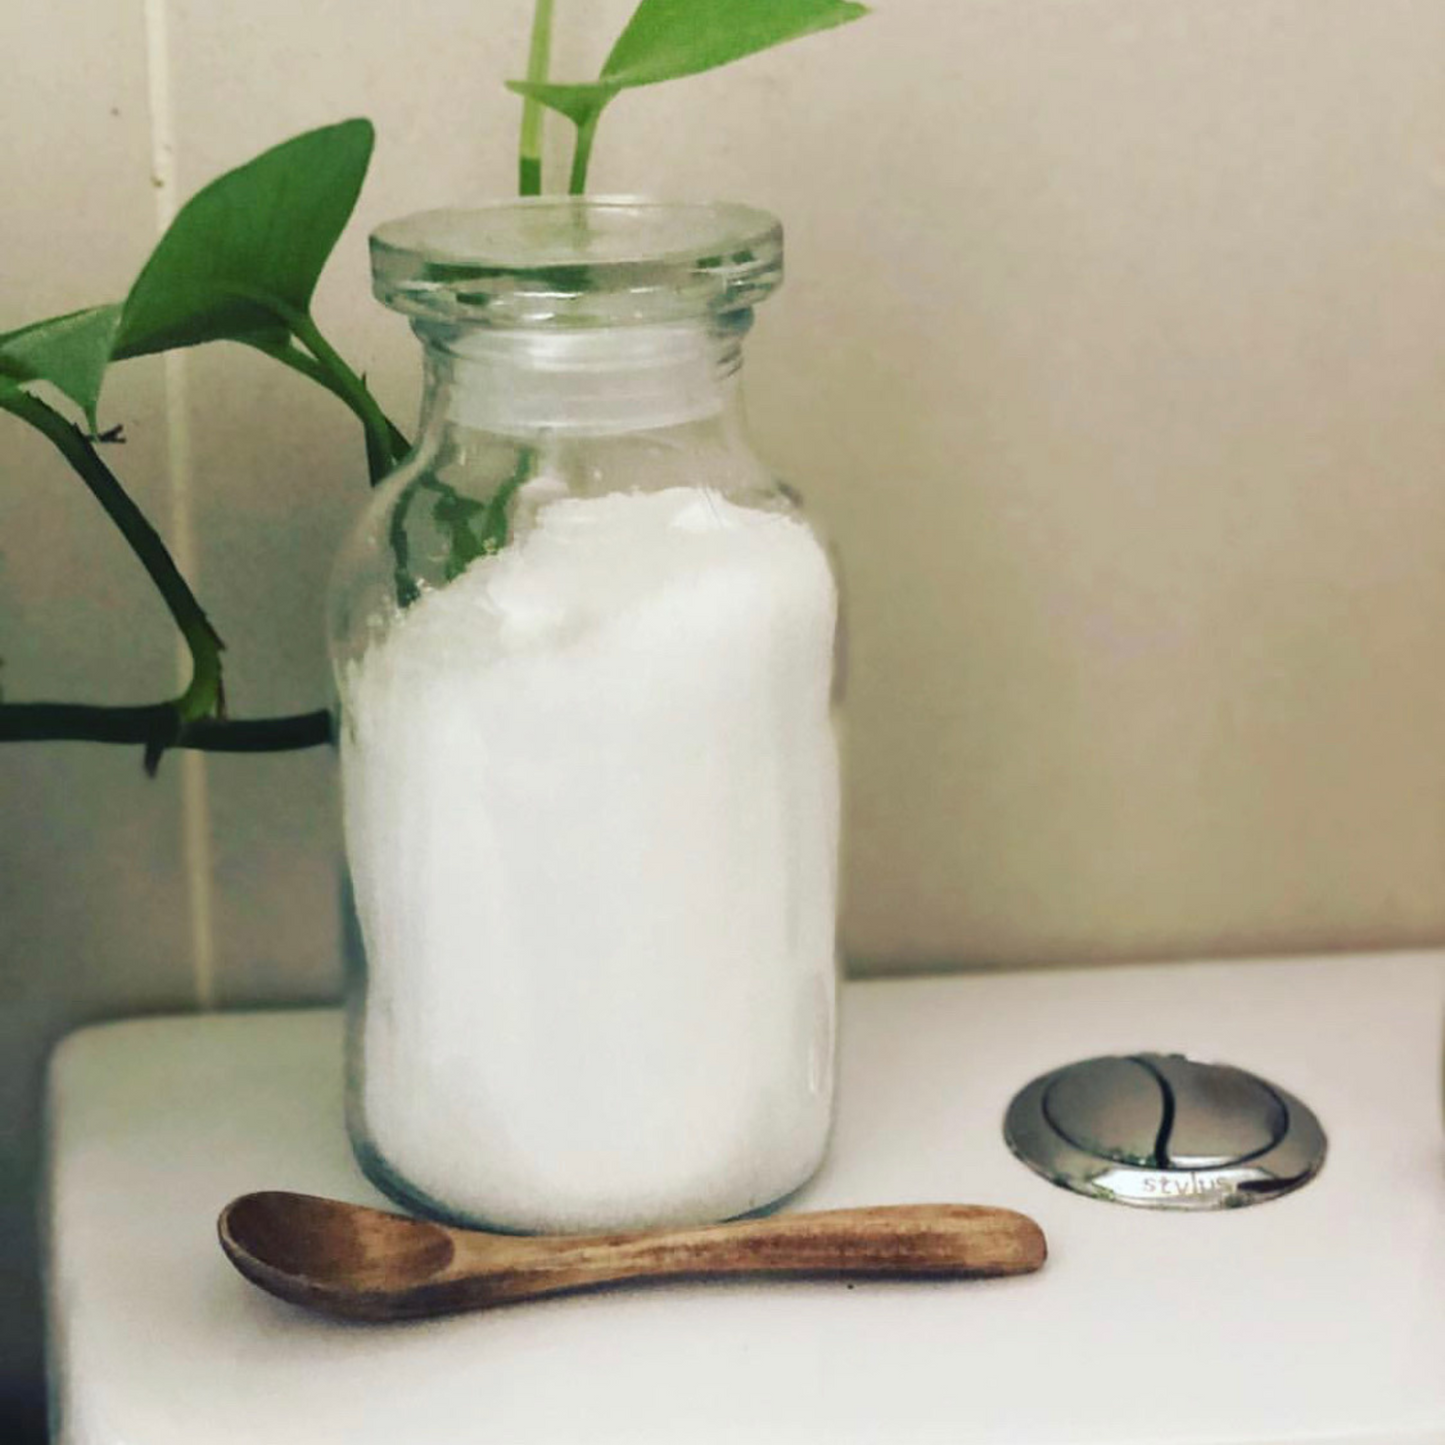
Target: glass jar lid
x,y
577,262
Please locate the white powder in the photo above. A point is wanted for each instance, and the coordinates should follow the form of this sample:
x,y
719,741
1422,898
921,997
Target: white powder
x,y
592,818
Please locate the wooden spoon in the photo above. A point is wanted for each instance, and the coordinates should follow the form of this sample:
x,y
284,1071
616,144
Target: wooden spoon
x,y
359,1263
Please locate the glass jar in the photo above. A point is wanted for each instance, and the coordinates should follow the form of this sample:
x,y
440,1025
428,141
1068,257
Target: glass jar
x,y
584,648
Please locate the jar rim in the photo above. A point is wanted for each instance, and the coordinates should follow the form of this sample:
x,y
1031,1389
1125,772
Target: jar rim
x,y
577,261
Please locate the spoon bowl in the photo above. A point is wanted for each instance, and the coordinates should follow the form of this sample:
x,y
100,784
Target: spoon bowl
x,y
331,1244
358,1263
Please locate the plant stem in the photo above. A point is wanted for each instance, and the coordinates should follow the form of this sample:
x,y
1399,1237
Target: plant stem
x,y
381,435
203,696
494,522
157,726
407,590
582,154
197,718
529,150
307,365
385,445
349,392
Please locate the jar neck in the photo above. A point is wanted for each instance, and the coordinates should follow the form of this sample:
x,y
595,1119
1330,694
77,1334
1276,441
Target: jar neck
x,y
600,381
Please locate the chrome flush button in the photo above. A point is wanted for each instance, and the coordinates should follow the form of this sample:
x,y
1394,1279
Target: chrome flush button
x,y
1163,1131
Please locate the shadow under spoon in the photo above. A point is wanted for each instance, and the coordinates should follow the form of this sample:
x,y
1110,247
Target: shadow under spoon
x,y
358,1263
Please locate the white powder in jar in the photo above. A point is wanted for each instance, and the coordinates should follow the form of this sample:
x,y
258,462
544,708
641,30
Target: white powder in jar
x,y
591,795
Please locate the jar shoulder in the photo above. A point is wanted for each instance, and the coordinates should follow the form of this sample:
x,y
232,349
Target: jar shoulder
x,y
465,494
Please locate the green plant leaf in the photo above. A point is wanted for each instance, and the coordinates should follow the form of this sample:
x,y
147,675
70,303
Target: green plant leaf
x,y
258,234
71,352
667,39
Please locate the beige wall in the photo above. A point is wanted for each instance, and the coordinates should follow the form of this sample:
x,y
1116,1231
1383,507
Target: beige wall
x,y
1113,356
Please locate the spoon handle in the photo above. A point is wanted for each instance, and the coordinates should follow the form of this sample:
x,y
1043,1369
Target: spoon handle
x,y
919,1240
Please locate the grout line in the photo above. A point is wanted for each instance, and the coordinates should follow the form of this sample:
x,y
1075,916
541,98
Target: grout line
x,y
195,790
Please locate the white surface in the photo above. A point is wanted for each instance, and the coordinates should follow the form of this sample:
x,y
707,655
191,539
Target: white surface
x,y
1320,1316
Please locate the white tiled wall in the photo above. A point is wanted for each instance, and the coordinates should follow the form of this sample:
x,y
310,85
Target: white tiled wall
x,y
1112,354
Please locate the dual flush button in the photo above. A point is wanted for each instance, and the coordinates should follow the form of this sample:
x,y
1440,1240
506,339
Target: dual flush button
x,y
1163,1131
